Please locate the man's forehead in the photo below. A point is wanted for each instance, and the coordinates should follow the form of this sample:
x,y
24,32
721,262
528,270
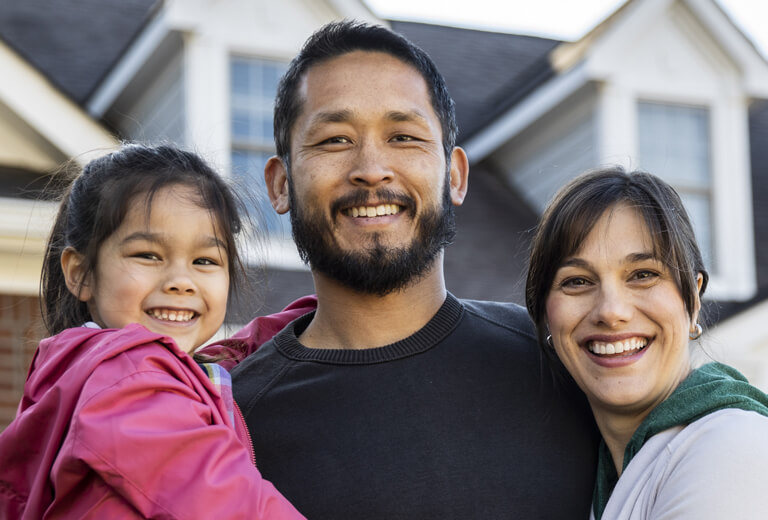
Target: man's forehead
x,y
344,63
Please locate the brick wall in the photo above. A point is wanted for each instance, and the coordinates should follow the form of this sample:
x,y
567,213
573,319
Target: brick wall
x,y
20,330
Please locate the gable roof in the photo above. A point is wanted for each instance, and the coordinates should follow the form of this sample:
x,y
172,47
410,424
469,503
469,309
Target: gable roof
x,y
74,43
486,72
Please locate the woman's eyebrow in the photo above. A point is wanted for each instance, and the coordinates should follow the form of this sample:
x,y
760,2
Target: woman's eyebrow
x,y
631,258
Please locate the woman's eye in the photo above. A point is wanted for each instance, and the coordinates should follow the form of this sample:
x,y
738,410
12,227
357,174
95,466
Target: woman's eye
x,y
645,275
575,282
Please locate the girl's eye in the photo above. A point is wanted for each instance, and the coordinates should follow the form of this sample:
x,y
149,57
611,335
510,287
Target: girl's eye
x,y
147,256
205,261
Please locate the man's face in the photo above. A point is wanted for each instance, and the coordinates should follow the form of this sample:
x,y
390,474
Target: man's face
x,y
369,194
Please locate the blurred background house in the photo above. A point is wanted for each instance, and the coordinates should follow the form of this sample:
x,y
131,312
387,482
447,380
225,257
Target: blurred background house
x,y
670,86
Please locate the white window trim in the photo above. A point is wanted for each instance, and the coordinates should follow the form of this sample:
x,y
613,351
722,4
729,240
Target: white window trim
x,y
733,225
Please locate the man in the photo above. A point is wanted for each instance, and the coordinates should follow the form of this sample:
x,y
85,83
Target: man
x,y
394,399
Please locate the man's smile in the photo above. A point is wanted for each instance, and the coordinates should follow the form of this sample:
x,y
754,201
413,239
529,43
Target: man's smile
x,y
372,211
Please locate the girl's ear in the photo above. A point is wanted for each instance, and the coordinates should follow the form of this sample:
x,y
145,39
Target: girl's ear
x,y
73,267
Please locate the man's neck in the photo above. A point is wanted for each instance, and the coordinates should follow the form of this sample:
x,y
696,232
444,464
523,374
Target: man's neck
x,y
349,319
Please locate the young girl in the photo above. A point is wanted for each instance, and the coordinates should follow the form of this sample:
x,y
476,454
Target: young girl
x,y
117,420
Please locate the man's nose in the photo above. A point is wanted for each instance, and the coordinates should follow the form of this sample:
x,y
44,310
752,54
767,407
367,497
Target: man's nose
x,y
371,166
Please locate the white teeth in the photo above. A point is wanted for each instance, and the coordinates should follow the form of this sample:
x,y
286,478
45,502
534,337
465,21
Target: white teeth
x,y
617,347
374,211
171,315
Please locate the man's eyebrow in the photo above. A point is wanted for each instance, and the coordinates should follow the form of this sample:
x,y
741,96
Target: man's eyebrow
x,y
341,116
412,115
336,116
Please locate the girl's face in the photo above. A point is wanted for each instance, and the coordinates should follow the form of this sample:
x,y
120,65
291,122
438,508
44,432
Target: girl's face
x,y
617,319
168,272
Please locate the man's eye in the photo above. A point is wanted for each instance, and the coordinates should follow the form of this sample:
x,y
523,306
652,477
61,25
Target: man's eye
x,y
338,139
403,138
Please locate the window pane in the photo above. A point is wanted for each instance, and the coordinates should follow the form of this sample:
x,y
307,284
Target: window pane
x,y
674,143
698,208
253,89
249,167
254,85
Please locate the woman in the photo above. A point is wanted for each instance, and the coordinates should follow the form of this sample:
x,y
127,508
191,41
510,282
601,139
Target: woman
x,y
614,288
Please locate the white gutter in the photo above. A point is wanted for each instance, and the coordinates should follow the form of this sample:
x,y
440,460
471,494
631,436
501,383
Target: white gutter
x,y
128,66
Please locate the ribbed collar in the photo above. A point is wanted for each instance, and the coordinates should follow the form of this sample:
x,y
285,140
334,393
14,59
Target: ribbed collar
x,y
442,323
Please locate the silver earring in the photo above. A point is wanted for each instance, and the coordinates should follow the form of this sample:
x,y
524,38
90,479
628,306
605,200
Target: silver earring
x,y
696,334
549,341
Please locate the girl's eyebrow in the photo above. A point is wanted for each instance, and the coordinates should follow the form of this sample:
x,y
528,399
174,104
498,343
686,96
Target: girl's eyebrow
x,y
157,238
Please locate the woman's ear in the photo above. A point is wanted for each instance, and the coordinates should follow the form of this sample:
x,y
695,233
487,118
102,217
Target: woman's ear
x,y
73,267
697,304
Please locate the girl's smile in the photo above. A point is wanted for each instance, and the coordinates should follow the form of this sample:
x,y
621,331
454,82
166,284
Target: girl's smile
x,y
165,267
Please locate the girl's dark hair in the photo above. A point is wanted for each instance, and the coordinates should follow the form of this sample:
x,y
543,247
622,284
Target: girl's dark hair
x,y
96,202
576,208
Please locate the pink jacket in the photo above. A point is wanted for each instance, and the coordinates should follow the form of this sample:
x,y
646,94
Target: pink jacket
x,y
248,339
123,424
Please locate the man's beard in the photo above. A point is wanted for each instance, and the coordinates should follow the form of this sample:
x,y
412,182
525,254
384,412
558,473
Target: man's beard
x,y
377,269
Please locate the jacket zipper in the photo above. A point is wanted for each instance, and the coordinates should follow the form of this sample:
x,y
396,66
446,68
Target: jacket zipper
x,y
244,426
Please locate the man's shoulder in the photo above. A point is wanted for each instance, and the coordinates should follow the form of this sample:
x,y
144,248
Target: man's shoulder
x,y
506,315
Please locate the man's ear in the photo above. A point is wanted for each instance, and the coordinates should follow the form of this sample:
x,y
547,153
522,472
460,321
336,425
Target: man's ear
x,y
73,267
276,178
459,175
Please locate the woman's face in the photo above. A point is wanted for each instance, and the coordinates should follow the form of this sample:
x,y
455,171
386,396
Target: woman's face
x,y
617,319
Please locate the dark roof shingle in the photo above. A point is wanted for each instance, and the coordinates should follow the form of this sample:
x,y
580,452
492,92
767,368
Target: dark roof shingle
x,y
73,42
486,72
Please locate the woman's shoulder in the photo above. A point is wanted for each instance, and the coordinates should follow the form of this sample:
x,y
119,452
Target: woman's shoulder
x,y
724,437
716,467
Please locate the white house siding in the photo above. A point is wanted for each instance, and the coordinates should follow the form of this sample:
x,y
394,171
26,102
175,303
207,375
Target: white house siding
x,y
741,342
159,112
666,55
552,151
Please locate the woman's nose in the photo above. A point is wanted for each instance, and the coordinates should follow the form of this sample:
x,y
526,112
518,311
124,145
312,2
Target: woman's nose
x,y
613,307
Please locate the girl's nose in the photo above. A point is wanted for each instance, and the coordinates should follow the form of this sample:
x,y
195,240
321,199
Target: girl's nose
x,y
179,282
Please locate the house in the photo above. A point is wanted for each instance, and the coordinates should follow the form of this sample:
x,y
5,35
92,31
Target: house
x,y
41,128
671,86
